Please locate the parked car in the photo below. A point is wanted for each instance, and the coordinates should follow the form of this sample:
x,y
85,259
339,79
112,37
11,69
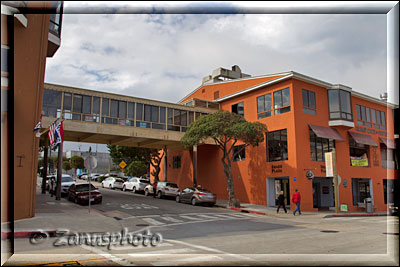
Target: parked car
x,y
112,182
66,182
164,189
135,184
196,196
82,174
79,193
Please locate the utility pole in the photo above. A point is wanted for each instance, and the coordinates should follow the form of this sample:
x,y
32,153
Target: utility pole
x,y
59,171
45,164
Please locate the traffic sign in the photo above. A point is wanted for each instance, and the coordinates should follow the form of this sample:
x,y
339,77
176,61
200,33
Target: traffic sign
x,y
90,163
122,164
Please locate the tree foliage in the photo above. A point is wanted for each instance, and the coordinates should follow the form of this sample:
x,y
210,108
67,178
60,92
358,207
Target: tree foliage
x,y
77,162
226,129
66,165
137,168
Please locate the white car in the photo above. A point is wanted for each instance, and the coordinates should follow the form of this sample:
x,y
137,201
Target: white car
x,y
112,182
66,182
135,184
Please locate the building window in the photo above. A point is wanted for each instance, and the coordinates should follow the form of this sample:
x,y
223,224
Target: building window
x,y
340,105
363,116
388,191
359,153
105,109
238,108
56,17
387,157
67,106
264,106
216,95
282,101
239,153
176,162
309,105
277,149
51,106
319,146
96,105
378,119
361,190
86,104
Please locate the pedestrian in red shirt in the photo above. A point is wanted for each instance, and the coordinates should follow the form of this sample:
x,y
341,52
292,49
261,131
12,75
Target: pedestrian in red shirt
x,y
155,188
296,200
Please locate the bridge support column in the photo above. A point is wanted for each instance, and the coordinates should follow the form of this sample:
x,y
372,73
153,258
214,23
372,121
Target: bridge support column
x,y
194,166
165,163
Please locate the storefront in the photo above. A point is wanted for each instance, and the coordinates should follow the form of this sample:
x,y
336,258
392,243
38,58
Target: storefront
x,y
323,193
274,186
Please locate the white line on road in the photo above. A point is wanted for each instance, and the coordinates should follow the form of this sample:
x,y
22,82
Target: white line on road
x,y
170,219
152,221
130,247
203,258
161,252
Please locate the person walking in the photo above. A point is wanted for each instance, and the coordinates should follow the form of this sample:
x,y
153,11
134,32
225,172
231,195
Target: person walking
x,y
154,189
281,202
296,200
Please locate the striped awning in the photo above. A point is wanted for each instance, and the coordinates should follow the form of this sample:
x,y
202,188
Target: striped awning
x,y
326,132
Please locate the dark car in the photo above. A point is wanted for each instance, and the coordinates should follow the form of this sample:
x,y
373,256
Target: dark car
x,y
79,193
196,196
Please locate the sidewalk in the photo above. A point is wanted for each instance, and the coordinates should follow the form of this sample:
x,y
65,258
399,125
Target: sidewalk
x,y
271,211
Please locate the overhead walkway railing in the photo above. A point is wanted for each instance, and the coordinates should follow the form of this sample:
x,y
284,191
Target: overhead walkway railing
x,y
91,116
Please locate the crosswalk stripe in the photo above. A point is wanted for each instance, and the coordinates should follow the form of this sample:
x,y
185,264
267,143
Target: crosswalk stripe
x,y
152,221
207,216
225,216
170,219
191,218
203,258
161,252
130,247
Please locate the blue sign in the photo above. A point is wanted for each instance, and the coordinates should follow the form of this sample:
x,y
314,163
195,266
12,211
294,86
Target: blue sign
x,y
294,179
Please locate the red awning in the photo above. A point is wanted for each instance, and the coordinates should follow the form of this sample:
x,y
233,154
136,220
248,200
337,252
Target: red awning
x,y
363,139
326,132
389,143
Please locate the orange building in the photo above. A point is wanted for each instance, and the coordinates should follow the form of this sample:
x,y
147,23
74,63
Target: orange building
x,y
30,32
305,118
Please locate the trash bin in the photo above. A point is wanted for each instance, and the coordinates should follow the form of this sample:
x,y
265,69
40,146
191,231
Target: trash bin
x,y
368,205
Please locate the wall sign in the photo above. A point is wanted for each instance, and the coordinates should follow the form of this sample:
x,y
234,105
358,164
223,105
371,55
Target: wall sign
x,y
375,157
371,131
276,168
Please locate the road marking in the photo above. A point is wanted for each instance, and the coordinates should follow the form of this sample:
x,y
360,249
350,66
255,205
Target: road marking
x,y
130,247
152,221
170,219
225,216
190,218
208,216
100,252
161,252
203,258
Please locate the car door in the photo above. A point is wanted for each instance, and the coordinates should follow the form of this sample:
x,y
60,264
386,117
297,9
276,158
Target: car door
x,y
71,193
187,194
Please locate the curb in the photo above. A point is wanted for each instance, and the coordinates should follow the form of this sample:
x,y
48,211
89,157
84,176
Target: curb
x,y
33,233
356,215
241,210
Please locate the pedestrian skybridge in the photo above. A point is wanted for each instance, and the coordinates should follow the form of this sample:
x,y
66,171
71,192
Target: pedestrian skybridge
x,y
105,118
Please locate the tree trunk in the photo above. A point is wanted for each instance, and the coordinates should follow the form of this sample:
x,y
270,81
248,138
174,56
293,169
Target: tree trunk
x,y
233,202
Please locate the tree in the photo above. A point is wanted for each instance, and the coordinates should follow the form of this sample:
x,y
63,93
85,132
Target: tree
x,y
66,165
77,162
156,157
226,129
137,168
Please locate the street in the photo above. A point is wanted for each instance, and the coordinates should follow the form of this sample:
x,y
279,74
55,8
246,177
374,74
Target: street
x,y
201,235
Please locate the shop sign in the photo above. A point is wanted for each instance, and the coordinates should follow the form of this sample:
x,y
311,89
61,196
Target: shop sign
x,y
328,164
310,175
276,168
343,207
375,157
359,161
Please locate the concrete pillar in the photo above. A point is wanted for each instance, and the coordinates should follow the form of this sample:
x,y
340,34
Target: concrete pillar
x,y
59,171
165,163
194,166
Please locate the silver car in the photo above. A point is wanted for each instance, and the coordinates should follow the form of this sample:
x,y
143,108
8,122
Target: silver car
x,y
196,196
112,182
166,189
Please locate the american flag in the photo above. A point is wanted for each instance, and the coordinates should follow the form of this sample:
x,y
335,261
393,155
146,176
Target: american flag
x,y
59,133
52,128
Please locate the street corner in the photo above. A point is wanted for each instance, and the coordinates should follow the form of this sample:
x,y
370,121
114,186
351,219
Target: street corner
x,y
57,260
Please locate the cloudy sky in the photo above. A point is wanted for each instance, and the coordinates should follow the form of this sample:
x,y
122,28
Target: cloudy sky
x,y
165,56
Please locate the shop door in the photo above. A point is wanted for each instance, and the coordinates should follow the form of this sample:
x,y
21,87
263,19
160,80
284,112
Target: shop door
x,y
364,190
316,195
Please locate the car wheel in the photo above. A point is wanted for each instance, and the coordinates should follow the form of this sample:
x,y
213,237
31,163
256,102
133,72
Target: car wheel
x,y
159,194
194,201
124,188
146,192
102,185
178,200
134,189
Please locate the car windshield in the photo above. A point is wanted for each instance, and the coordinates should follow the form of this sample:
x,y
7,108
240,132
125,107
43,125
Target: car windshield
x,y
145,181
66,179
204,190
172,185
84,188
119,180
132,180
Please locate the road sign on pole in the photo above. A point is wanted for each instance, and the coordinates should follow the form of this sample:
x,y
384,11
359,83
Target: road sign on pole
x,y
122,164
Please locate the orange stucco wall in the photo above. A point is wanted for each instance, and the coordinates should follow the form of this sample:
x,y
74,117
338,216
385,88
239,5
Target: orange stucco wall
x,y
250,175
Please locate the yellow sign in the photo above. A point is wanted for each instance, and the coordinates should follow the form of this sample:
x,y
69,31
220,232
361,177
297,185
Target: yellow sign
x,y
122,164
359,161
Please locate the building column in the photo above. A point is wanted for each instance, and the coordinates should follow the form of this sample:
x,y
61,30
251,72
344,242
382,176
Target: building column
x,y
59,171
165,163
195,166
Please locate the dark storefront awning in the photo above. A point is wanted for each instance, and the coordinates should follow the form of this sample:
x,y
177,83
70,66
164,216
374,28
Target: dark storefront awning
x,y
326,132
363,139
389,143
